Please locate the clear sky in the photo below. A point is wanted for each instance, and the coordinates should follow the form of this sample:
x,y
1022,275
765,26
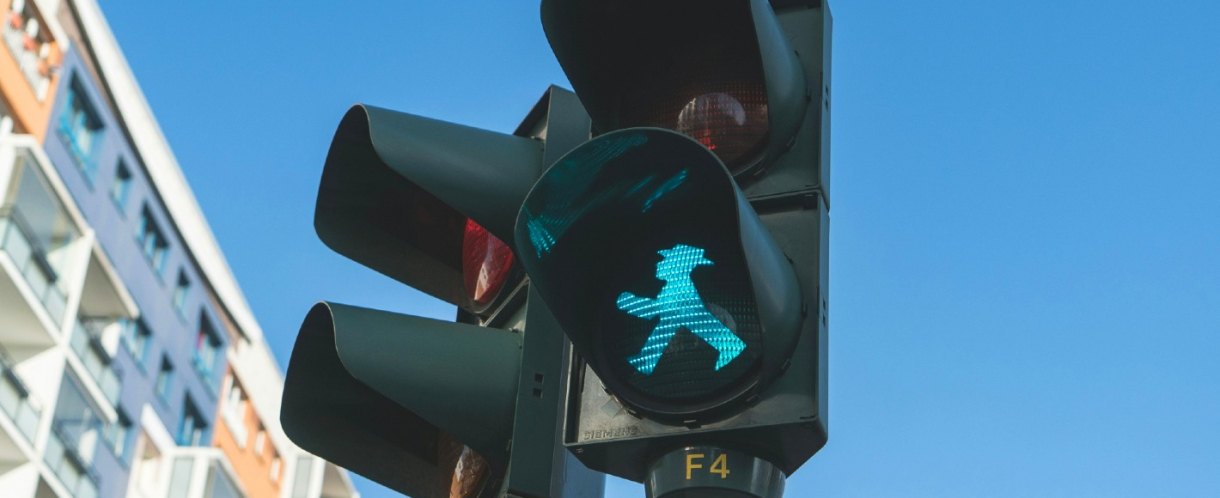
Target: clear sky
x,y
1025,250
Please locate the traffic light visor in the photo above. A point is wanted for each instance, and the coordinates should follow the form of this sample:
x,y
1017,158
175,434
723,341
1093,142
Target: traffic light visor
x,y
719,71
418,405
399,191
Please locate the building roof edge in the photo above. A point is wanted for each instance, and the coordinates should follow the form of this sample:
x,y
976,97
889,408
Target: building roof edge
x,y
163,168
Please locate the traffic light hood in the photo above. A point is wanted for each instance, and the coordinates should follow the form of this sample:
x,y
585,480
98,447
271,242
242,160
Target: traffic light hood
x,y
364,388
397,190
720,71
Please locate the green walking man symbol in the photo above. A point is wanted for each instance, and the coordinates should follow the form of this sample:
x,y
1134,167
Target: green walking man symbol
x,y
679,306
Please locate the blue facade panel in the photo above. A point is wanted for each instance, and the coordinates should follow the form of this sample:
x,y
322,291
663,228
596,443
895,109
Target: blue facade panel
x,y
174,329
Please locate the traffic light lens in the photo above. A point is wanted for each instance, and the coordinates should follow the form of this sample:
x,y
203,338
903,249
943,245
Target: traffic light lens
x,y
634,241
691,66
730,119
486,264
469,469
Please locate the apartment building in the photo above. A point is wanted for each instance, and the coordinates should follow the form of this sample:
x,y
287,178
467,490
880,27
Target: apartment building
x,y
130,363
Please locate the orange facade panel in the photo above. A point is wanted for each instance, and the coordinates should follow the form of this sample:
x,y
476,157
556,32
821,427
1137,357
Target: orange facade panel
x,y
257,463
28,66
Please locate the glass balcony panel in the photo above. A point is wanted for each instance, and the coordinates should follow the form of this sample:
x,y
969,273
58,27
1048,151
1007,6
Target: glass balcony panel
x,y
68,465
86,343
32,262
219,485
38,280
10,397
180,478
55,302
17,245
15,399
300,485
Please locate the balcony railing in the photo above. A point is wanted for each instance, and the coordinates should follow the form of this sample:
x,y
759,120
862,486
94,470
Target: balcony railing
x,y
31,260
74,471
87,343
15,399
200,473
29,50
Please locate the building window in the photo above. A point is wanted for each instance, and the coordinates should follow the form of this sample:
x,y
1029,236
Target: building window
x,y
164,377
193,427
234,413
276,465
135,338
235,400
152,240
260,440
207,346
118,436
180,289
300,485
207,350
121,186
81,129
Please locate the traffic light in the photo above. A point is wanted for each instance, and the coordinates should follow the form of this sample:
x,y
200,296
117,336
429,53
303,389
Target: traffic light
x,y
683,250
430,408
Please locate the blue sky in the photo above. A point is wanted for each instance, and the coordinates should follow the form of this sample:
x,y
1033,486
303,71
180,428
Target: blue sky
x,y
1025,252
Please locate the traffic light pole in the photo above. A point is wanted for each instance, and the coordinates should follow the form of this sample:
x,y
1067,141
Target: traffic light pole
x,y
706,471
542,466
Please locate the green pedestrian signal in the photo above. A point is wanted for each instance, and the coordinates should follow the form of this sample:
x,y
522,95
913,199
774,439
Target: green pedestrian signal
x,y
618,226
679,307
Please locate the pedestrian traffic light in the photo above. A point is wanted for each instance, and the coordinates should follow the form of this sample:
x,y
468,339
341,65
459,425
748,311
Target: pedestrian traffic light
x,y
430,408
640,234
683,250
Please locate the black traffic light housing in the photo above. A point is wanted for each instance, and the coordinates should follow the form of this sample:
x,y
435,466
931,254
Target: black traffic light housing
x,y
397,190
704,69
356,396
711,121
400,399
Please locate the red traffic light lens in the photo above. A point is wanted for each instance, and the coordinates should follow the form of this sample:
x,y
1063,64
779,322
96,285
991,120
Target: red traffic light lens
x,y
731,123
708,84
486,264
463,471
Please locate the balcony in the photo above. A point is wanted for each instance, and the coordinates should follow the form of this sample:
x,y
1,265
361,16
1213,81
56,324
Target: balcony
x,y
74,471
203,473
27,41
105,308
335,482
86,342
32,261
40,237
16,401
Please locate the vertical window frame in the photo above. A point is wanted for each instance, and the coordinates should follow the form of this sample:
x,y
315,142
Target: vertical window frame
x,y
182,289
152,241
165,379
120,186
81,129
